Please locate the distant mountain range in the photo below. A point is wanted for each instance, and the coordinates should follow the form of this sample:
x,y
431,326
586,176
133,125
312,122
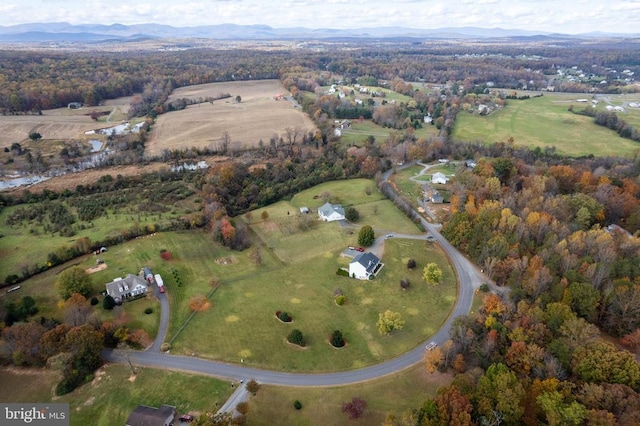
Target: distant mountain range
x,y
65,32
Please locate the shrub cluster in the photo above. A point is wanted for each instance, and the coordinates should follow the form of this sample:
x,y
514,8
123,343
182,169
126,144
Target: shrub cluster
x,y
284,316
296,337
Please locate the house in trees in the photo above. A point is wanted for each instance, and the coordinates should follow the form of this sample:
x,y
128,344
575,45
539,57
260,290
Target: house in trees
x,y
330,212
439,178
151,416
124,288
365,266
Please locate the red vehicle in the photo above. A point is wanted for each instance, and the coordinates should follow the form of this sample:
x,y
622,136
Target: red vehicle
x,y
360,249
162,289
187,418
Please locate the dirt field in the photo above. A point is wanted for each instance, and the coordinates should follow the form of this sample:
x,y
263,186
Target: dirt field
x,y
60,123
257,116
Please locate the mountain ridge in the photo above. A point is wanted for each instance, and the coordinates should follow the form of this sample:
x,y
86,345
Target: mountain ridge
x,y
64,31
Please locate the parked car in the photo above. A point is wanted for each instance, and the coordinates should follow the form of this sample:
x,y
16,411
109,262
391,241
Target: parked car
x,y
360,249
351,248
187,418
388,236
162,289
431,346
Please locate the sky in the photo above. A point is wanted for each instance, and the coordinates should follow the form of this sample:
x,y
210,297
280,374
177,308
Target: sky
x,y
564,16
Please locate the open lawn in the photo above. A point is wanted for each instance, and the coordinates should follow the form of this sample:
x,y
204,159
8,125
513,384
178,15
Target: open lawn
x,y
396,394
242,320
543,122
113,394
257,117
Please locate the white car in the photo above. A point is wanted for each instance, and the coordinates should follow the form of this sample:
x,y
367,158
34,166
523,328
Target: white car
x,y
431,346
388,236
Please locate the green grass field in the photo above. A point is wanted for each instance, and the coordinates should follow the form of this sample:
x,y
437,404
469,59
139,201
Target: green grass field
x,y
543,122
113,394
28,243
297,274
242,320
360,130
111,397
398,393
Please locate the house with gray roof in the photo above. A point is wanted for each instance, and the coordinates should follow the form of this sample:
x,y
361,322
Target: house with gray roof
x,y
439,177
151,416
124,288
330,212
365,266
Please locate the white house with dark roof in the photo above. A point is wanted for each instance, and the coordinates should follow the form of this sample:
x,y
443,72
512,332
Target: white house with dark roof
x,y
364,266
330,212
124,288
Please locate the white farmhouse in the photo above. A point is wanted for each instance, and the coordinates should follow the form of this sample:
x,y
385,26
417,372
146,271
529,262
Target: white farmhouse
x,y
439,178
364,266
330,212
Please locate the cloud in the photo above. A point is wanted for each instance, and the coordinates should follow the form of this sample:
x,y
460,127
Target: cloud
x,y
568,16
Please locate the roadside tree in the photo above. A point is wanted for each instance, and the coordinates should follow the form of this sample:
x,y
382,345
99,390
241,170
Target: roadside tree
x,y
366,236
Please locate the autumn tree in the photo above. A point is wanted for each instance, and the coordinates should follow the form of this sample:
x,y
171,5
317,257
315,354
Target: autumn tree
x,y
355,408
499,395
22,343
366,236
454,408
74,280
252,386
389,321
433,359
602,362
85,345
432,274
77,310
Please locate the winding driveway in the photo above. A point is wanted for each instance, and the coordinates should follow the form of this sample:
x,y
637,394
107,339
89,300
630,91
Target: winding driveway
x,y
469,278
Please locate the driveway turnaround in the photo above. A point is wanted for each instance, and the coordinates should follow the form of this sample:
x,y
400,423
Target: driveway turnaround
x,y
469,279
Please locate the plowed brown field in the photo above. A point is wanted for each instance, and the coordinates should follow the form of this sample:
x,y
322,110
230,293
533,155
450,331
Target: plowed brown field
x,y
257,117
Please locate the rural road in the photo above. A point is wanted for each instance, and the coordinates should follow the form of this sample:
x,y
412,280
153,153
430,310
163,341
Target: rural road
x,y
469,278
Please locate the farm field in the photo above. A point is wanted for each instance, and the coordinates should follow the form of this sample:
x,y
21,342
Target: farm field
x,y
543,122
257,117
59,124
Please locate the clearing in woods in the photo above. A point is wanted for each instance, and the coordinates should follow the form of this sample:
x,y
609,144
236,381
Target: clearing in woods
x,y
258,116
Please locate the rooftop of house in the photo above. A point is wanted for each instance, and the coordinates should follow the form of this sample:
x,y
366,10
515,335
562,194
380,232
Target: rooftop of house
x,y
149,416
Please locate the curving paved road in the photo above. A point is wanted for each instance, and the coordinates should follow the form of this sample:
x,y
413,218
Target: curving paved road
x,y
468,280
